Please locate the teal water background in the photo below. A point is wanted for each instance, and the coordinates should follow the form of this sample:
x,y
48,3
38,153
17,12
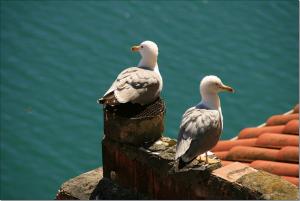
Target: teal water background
x,y
58,57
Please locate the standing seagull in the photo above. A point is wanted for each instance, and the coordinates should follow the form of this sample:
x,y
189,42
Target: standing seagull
x,y
141,84
202,124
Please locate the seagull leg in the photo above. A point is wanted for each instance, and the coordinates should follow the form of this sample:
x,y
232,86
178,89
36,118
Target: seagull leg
x,y
206,161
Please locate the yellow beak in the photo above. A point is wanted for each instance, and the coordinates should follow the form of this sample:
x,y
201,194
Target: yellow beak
x,y
227,88
135,48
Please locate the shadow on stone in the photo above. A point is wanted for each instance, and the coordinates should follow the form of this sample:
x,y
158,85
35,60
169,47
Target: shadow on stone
x,y
137,111
107,190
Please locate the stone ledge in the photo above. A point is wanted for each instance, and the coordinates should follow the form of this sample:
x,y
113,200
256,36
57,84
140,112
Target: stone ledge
x,y
91,185
246,183
147,172
271,187
80,187
150,170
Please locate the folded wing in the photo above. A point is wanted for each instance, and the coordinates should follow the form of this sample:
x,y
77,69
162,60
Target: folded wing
x,y
200,130
134,85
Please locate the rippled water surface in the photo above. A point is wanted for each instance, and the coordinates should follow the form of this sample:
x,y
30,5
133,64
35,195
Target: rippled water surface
x,y
58,57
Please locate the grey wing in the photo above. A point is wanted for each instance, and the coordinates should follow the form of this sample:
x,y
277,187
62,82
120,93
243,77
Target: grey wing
x,y
109,97
137,85
114,84
111,89
196,127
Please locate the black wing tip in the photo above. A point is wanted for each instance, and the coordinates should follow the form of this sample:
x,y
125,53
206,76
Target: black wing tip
x,y
181,164
112,101
100,101
108,99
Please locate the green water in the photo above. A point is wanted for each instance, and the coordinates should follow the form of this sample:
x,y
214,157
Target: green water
x,y
58,57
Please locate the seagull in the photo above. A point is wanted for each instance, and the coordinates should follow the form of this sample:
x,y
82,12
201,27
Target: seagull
x,y
201,125
141,84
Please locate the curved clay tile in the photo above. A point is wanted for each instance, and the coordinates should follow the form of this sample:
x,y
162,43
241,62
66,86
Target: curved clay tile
x,y
292,127
281,119
273,148
288,154
255,132
296,109
221,154
275,140
293,180
224,163
278,168
243,153
228,144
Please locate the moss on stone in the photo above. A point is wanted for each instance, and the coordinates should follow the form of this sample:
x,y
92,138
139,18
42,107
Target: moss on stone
x,y
271,187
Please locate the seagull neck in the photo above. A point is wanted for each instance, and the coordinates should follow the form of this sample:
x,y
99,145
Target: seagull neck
x,y
148,62
211,100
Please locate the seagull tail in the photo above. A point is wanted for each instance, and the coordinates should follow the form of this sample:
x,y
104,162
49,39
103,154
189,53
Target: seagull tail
x,y
181,163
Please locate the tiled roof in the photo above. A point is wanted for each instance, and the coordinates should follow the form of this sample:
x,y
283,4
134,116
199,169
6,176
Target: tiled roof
x,y
272,147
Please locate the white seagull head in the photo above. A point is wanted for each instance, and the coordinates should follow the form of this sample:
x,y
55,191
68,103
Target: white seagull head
x,y
213,85
149,53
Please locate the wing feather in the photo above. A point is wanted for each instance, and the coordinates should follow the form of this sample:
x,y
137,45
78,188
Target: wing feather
x,y
138,86
135,85
196,125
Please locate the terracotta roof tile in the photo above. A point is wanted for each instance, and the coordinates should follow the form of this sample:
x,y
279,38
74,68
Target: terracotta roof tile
x,y
296,109
279,168
293,180
292,127
289,154
221,154
281,119
254,132
224,162
228,144
273,147
275,140
243,153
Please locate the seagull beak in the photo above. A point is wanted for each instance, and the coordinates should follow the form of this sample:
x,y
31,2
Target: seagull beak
x,y
227,88
135,48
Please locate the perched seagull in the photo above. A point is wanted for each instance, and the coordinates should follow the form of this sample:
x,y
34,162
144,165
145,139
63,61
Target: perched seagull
x,y
141,84
202,124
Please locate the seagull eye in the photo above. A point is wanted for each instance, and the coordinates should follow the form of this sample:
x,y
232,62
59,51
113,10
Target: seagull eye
x,y
142,46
